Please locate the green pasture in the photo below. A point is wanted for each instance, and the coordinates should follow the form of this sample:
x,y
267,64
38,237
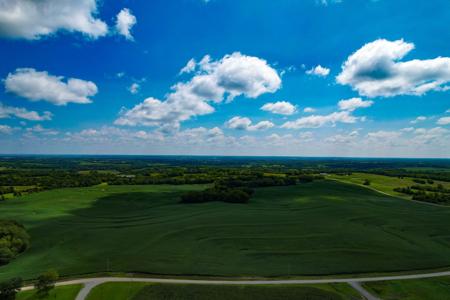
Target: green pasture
x,y
419,289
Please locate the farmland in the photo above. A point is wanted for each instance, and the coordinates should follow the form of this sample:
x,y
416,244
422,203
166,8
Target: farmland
x,y
319,228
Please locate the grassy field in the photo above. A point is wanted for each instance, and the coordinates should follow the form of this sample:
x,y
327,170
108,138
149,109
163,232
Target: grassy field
x,y
66,292
142,291
385,184
429,289
321,228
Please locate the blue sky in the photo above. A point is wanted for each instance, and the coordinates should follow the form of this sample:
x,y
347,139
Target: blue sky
x,y
306,78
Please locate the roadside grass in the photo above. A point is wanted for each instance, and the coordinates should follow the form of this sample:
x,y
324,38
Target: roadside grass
x,y
385,184
144,291
116,291
417,289
64,292
315,229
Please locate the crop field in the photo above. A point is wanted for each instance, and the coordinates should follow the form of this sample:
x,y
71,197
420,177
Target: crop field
x,y
320,228
142,291
385,184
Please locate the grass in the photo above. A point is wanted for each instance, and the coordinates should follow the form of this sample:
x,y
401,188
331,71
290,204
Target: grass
x,y
321,228
385,184
143,291
65,292
429,289
116,291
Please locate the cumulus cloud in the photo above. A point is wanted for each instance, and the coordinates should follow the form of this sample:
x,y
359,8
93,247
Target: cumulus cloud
x,y
354,103
318,71
375,70
189,67
41,130
316,121
242,123
443,121
418,119
430,135
407,129
280,107
231,76
343,138
309,110
23,113
125,21
384,135
306,136
34,19
326,2
5,129
40,85
134,88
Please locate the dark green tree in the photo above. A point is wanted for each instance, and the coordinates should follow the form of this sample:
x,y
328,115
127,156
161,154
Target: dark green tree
x,y
45,283
9,289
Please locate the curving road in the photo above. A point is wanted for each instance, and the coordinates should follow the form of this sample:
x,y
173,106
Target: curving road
x,y
90,283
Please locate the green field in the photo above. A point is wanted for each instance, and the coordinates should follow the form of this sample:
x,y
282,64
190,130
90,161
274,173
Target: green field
x,y
66,292
385,184
143,291
321,228
429,289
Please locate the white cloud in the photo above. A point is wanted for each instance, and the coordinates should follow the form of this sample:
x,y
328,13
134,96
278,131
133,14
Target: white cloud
x,y
189,67
354,103
309,110
443,121
216,131
231,76
407,129
34,85
34,19
418,119
431,135
318,71
5,129
384,135
316,121
343,138
306,136
241,123
125,21
134,88
326,2
23,113
41,130
375,70
280,107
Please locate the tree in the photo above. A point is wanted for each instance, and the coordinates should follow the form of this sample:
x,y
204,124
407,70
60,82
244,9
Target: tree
x,y
13,240
366,182
45,283
9,289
